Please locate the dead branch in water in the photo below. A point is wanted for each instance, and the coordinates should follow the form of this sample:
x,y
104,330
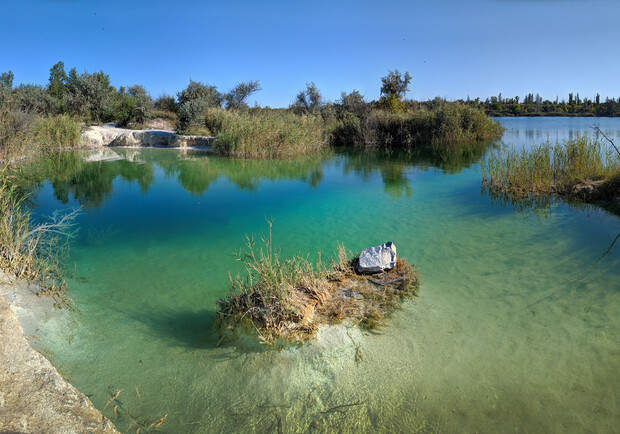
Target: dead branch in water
x,y
340,408
109,401
597,128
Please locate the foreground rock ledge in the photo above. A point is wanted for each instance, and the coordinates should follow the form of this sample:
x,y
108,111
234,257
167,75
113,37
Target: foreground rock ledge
x,y
33,396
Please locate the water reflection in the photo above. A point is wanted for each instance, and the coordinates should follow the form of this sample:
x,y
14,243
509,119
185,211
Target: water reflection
x,y
89,177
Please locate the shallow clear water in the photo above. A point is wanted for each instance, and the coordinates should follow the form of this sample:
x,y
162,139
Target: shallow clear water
x,y
516,327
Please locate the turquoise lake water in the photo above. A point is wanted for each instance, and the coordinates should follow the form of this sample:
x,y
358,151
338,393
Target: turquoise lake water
x,y
516,328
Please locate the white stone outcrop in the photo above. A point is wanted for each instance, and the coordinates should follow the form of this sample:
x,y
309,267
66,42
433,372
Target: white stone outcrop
x,y
378,258
111,136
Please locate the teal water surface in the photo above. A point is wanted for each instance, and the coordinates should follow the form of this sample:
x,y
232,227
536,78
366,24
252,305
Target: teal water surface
x,y
515,329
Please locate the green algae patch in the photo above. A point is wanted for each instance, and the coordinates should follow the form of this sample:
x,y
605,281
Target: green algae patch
x,y
290,298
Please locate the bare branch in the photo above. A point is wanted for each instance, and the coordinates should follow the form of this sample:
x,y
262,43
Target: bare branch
x,y
597,128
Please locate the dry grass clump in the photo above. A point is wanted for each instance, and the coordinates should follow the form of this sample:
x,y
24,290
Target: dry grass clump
x,y
582,168
28,250
289,298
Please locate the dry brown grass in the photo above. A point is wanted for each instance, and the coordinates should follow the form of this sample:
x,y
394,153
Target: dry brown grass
x,y
289,299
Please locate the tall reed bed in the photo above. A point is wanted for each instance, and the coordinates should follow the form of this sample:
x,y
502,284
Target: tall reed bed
x,y
554,168
264,133
56,132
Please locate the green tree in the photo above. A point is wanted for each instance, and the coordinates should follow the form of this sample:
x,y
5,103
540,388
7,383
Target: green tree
x,y
32,98
309,100
394,86
236,98
203,94
194,101
57,84
353,103
6,86
89,95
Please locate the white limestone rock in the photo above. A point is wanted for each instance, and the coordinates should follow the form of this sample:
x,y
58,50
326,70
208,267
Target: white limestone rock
x,y
378,258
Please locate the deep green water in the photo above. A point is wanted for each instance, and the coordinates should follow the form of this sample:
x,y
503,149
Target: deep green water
x,y
516,327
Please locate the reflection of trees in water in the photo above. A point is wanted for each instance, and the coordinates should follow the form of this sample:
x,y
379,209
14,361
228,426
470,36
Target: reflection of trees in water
x,y
91,182
197,175
393,166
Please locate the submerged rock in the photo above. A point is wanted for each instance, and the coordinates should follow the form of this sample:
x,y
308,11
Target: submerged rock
x,y
378,258
352,294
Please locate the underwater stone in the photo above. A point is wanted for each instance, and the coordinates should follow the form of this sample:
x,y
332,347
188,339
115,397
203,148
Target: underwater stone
x,y
352,294
378,258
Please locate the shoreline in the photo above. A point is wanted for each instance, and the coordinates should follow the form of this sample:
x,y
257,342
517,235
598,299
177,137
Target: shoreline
x,y
107,136
33,395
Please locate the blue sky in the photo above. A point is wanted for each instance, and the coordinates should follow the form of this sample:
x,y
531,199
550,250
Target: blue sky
x,y
452,48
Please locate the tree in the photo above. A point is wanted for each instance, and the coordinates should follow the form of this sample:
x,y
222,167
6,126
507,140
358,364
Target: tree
x,y
353,103
235,98
166,102
6,80
6,85
394,86
309,100
133,104
202,94
32,98
57,85
89,95
194,101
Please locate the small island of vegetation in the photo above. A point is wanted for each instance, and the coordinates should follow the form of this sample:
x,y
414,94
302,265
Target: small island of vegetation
x,y
290,298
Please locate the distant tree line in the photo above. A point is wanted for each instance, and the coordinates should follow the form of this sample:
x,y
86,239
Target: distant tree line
x,y
534,105
201,108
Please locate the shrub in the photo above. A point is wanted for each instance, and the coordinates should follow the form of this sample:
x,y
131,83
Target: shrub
x,y
166,103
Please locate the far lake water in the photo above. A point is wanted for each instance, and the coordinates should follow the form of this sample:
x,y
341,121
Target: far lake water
x,y
516,328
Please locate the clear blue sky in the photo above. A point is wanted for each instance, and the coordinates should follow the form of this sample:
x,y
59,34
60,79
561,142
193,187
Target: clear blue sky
x,y
452,48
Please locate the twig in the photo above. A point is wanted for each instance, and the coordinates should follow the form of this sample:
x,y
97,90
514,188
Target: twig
x,y
341,407
109,401
376,282
608,249
596,127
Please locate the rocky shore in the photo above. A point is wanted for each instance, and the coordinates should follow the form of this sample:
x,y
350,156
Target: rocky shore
x,y
33,396
109,135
